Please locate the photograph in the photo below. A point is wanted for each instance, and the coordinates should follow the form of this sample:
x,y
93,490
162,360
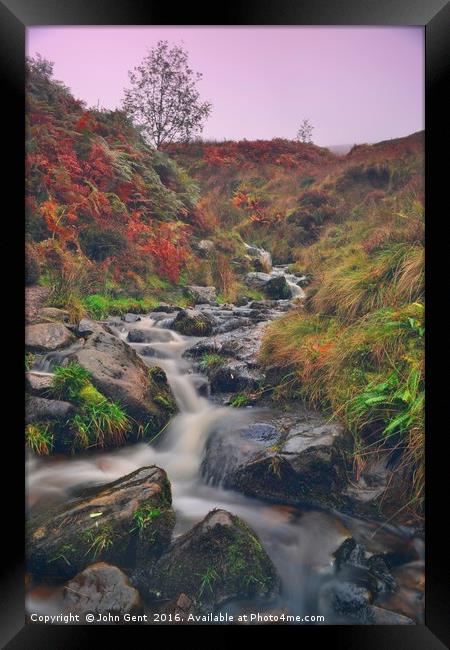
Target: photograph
x,y
224,325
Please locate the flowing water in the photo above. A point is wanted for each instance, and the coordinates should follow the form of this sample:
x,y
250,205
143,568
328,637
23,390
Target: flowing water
x,y
300,542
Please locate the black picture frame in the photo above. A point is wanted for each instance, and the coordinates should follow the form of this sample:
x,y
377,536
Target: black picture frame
x,y
15,16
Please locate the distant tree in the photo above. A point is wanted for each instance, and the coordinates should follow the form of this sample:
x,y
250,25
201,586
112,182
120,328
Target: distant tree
x,y
305,132
163,98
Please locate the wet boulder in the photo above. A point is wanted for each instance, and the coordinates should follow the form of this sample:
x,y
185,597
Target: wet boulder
x,y
346,602
257,280
116,523
39,384
201,295
352,561
233,376
45,337
101,588
193,322
149,335
131,318
299,464
277,288
219,560
119,374
39,409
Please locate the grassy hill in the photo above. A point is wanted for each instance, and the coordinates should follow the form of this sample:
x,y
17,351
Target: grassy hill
x,y
113,225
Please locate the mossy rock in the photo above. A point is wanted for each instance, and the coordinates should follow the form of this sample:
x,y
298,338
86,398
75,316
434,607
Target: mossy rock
x,y
193,323
220,559
105,524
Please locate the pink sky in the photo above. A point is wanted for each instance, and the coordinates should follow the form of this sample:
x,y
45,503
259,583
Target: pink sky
x,y
355,84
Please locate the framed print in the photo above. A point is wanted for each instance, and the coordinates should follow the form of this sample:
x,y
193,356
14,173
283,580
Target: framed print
x,y
227,416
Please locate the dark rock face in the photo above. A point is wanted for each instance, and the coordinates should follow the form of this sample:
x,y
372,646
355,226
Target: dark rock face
x,y
119,522
218,560
119,374
277,288
193,323
44,337
101,589
296,461
38,409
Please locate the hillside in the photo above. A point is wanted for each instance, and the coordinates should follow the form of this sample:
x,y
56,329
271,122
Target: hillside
x,y
115,226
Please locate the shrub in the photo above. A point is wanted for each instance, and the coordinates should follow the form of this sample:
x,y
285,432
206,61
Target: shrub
x,y
211,361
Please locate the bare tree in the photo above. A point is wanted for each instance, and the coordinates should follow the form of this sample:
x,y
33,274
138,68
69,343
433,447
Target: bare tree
x,y
305,132
163,98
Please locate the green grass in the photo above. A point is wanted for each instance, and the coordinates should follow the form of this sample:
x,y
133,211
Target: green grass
x,y
100,306
69,380
101,424
144,515
99,540
211,361
208,579
239,401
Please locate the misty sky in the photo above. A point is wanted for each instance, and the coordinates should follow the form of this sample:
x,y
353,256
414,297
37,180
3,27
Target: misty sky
x,y
355,84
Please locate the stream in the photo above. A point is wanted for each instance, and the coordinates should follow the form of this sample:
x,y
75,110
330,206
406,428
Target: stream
x,y
300,542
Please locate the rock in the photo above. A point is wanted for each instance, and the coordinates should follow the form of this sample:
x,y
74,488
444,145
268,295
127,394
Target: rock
x,y
193,323
204,246
347,601
165,308
256,280
301,465
38,409
234,376
201,295
44,337
350,553
118,373
380,570
101,589
220,559
382,616
131,318
54,314
374,572
277,288
86,327
38,384
119,522
181,606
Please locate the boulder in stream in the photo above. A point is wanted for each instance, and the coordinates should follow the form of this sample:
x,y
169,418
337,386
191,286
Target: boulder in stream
x,y
45,337
192,322
277,288
299,463
220,559
101,588
118,522
119,374
39,409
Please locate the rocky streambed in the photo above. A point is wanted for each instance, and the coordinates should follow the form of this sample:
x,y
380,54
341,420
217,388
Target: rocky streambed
x,y
218,502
